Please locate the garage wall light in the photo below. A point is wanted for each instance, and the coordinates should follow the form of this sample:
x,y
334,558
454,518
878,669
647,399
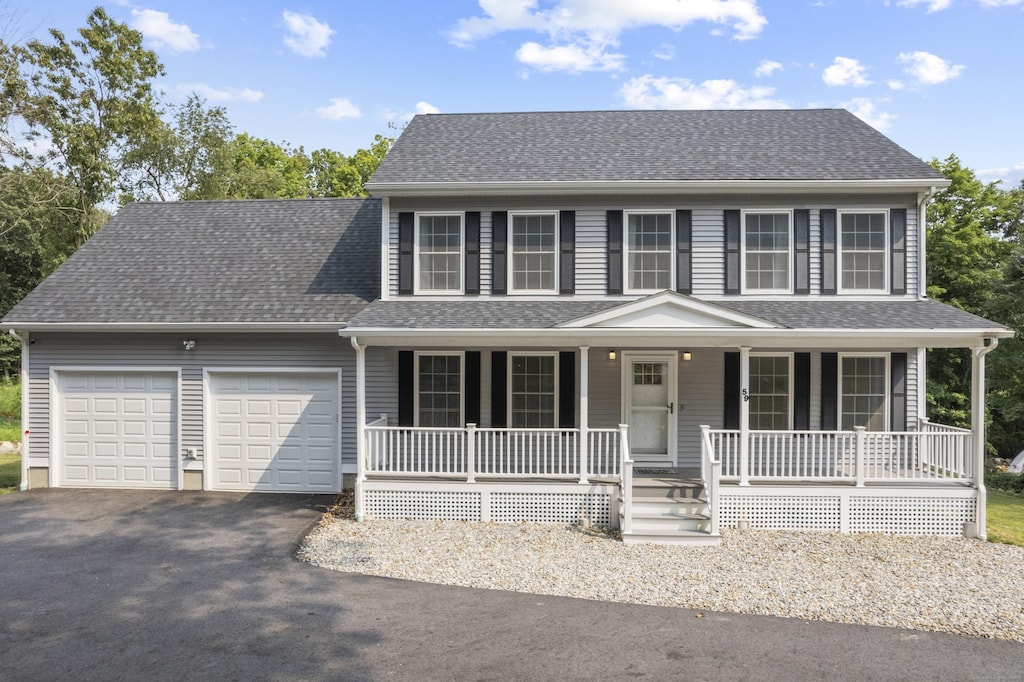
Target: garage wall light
x,y
189,344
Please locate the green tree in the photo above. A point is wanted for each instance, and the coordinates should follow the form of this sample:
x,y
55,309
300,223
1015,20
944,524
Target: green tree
x,y
336,175
254,168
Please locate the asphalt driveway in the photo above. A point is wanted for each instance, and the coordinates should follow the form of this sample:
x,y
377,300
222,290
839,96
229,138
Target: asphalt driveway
x,y
126,585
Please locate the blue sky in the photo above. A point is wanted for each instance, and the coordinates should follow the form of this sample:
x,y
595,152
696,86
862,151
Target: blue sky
x,y
937,76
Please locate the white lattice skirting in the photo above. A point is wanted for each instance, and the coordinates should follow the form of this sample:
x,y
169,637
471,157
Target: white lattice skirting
x,y
916,511
503,503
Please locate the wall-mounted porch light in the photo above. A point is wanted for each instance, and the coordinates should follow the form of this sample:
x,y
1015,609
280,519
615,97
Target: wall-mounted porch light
x,y
611,355
686,356
189,344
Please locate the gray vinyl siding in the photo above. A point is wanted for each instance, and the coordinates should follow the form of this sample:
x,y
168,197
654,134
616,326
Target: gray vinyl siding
x,y
284,351
708,258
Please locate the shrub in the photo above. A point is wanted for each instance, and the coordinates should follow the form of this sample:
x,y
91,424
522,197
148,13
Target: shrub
x,y
10,398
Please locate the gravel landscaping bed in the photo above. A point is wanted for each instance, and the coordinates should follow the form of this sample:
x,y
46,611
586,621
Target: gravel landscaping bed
x,y
960,586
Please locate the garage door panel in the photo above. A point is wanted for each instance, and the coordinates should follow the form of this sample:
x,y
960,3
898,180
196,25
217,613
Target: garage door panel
x,y
285,431
117,429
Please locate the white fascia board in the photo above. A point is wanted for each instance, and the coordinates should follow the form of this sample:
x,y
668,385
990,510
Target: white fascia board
x,y
415,189
175,326
663,338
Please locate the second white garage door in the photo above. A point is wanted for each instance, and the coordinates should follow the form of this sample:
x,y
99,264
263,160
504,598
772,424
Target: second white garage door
x,y
274,431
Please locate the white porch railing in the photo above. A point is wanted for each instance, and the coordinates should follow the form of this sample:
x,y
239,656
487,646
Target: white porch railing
x,y
473,452
710,474
931,453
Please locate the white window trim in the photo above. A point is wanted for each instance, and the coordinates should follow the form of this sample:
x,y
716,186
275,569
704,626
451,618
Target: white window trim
x,y
887,386
625,249
508,384
510,264
416,253
743,250
791,358
886,252
416,383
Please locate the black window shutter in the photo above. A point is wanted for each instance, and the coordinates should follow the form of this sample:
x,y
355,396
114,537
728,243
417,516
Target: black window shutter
x,y
731,407
828,251
898,379
898,237
567,389
802,391
567,251
406,388
684,251
405,250
472,252
614,219
499,248
472,383
732,251
499,390
829,391
802,251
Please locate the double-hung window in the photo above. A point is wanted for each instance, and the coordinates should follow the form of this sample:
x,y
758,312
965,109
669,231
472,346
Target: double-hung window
x,y
771,391
862,250
648,258
863,382
439,389
439,243
767,239
533,252
532,391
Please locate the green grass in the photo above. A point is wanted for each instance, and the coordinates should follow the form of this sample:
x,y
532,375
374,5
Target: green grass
x,y
10,398
1005,517
10,473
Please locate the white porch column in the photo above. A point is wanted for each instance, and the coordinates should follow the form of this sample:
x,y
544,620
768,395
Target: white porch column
x,y
584,410
360,426
978,354
745,415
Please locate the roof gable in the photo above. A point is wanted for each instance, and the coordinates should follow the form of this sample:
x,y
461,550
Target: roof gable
x,y
669,310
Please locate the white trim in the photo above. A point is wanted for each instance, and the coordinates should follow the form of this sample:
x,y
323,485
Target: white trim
x,y
922,383
790,357
416,253
55,412
508,385
511,254
626,393
743,250
887,392
886,251
385,248
208,456
626,288
416,382
682,301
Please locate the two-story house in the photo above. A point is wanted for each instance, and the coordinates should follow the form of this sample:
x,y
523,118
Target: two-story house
x,y
670,321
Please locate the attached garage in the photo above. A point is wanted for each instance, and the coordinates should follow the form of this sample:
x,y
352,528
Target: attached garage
x,y
273,431
116,429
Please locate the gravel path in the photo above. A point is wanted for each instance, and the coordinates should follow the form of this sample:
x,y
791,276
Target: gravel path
x,y
965,587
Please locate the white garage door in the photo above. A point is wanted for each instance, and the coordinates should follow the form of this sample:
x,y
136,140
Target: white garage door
x,y
274,431
117,430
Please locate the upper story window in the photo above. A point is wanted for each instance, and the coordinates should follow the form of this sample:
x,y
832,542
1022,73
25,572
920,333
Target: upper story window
x,y
533,252
863,382
767,239
648,258
439,243
862,250
439,389
770,392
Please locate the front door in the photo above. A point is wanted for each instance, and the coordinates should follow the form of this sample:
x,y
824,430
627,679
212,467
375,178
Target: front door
x,y
649,397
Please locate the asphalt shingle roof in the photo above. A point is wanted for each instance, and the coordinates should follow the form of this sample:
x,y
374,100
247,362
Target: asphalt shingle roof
x,y
797,314
268,261
805,144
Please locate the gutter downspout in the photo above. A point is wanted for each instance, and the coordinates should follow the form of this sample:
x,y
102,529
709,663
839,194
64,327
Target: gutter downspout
x,y
922,235
360,427
24,339
978,427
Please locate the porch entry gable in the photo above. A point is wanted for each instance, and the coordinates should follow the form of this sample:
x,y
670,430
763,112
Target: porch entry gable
x,y
669,310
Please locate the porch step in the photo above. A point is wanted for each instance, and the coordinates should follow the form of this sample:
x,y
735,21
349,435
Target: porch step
x,y
693,538
647,508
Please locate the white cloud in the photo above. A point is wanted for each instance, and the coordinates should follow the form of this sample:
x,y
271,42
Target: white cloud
x,y
648,92
1001,3
1009,177
867,111
665,52
766,68
932,5
159,30
845,71
580,32
338,109
225,94
570,58
306,36
426,108
928,68
896,85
